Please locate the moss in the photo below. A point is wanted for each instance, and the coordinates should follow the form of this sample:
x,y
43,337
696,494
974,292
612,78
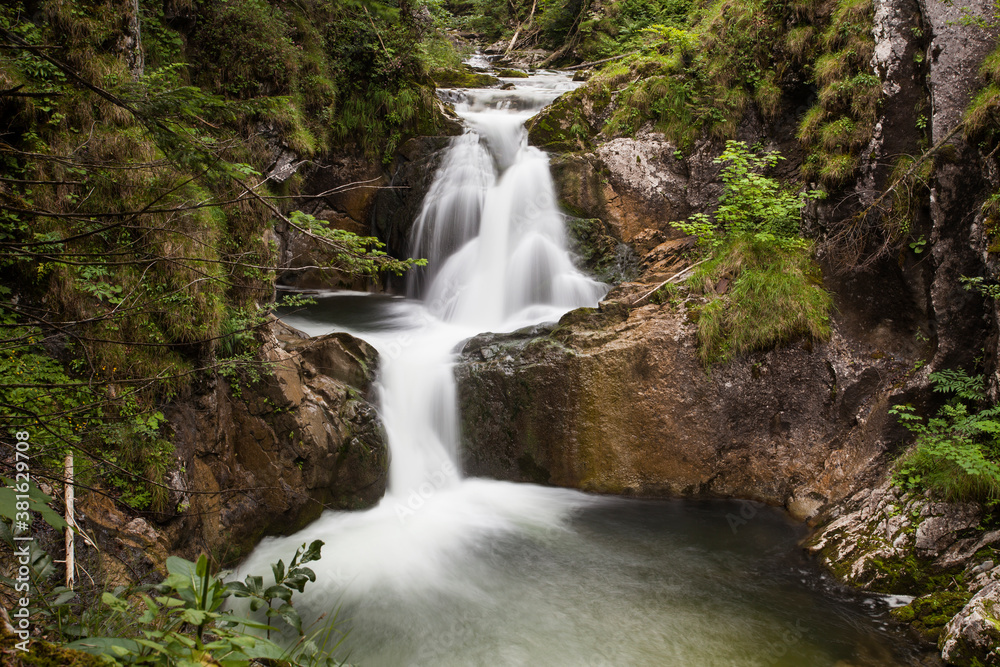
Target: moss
x,y
928,614
511,73
562,126
462,77
773,296
42,654
839,125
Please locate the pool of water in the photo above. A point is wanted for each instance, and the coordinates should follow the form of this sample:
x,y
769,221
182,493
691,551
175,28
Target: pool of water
x,y
482,572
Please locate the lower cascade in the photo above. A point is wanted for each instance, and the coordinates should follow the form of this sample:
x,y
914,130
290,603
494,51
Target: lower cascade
x,y
447,570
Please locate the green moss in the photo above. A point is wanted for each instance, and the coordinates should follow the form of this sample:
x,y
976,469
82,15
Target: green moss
x,y
836,129
42,654
563,126
775,298
462,77
511,73
928,614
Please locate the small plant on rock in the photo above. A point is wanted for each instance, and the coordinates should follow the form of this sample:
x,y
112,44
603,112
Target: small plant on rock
x,y
955,455
760,283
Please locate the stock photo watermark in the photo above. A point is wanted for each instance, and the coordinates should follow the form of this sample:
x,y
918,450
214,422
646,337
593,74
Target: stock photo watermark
x,y
20,613
789,638
417,497
747,512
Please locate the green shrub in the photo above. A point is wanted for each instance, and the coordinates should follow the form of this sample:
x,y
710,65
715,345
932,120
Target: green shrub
x,y
955,454
761,285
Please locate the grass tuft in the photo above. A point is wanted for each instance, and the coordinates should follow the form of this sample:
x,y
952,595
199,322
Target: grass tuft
x,y
775,297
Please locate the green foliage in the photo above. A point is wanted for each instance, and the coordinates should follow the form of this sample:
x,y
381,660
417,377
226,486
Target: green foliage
x,y
38,503
979,284
840,124
623,26
955,453
181,622
753,206
775,297
132,257
762,287
362,255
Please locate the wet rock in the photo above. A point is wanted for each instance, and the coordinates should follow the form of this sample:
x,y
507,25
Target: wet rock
x,y
411,174
462,77
365,199
131,549
269,454
596,404
929,614
893,542
972,637
635,184
599,252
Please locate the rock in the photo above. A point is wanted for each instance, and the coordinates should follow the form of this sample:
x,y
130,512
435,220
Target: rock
x,y
929,614
805,505
462,77
267,456
595,404
379,202
600,253
649,184
941,525
632,184
972,637
572,122
411,174
131,550
956,50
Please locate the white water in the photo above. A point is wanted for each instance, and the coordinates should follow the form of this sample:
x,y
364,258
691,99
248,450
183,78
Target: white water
x,y
453,571
493,236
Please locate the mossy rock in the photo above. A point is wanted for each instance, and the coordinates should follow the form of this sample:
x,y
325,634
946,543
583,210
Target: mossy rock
x,y
462,77
570,123
42,654
511,74
928,614
600,253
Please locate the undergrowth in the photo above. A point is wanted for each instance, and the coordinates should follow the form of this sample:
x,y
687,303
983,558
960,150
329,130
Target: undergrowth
x,y
760,285
134,209
956,451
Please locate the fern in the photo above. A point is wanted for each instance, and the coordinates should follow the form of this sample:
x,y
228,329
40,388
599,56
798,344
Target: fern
x,y
958,382
955,452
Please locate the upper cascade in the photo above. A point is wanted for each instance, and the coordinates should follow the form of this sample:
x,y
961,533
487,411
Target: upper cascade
x,y
490,226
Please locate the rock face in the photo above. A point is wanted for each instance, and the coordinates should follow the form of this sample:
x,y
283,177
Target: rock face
x,y
261,454
973,636
638,184
395,209
354,194
595,403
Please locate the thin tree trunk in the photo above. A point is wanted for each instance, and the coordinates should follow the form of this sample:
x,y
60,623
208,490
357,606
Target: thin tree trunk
x,y
513,40
71,520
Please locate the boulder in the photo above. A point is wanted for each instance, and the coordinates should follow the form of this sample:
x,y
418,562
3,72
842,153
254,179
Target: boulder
x,y
596,403
268,450
972,637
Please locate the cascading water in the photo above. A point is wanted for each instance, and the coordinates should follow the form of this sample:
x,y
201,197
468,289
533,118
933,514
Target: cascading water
x,y
453,571
493,236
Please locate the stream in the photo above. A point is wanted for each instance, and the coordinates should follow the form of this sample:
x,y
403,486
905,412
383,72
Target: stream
x,y
448,570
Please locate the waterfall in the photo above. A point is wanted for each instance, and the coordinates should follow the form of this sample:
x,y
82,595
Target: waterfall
x,y
451,571
493,235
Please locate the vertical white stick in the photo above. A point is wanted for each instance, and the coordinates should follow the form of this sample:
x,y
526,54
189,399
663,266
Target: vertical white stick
x,y
71,520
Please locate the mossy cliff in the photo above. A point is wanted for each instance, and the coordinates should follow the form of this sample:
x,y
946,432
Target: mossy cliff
x,y
155,157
